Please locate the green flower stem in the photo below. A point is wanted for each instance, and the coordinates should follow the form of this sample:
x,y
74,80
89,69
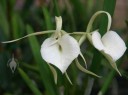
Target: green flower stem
x,y
89,27
90,24
29,35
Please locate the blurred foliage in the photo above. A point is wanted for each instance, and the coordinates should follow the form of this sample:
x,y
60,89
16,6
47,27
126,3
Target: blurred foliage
x,y
33,76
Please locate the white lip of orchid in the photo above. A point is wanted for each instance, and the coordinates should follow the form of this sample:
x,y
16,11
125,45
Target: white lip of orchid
x,y
111,43
60,58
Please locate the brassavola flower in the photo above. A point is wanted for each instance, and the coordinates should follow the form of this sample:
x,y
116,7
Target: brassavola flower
x,y
60,49
111,45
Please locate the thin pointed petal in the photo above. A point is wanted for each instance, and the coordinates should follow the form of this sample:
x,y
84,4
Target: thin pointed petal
x,y
111,61
114,45
83,59
96,40
54,73
85,70
68,78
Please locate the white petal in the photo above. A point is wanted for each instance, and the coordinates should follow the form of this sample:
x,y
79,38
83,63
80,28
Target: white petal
x,y
70,51
50,52
62,53
114,45
96,40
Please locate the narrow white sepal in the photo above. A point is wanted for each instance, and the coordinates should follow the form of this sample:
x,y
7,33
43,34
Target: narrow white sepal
x,y
62,53
58,23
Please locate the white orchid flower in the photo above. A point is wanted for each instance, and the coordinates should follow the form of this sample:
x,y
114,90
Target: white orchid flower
x,y
60,50
110,45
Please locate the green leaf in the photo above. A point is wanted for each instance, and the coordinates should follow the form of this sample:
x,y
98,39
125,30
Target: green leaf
x,y
109,6
48,19
29,82
108,80
56,8
3,22
15,26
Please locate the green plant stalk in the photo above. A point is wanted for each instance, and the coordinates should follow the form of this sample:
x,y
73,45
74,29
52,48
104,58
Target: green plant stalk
x,y
29,82
108,81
